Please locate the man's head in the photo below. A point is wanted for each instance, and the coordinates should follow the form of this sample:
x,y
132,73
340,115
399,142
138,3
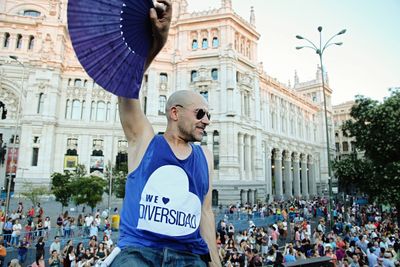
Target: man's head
x,y
187,115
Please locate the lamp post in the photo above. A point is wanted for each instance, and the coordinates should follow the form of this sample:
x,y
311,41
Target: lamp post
x,y
13,164
319,50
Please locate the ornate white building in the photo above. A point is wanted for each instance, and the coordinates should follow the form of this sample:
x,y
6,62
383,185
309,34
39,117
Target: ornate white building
x,y
267,138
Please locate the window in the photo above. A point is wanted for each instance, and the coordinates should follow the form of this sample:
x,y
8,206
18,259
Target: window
x,y
40,104
204,139
19,41
76,109
108,113
35,156
6,39
101,111
193,75
204,43
145,105
31,13
345,146
195,45
83,109
68,109
216,150
162,100
163,78
214,74
337,147
93,111
204,94
353,146
31,42
72,142
78,82
215,42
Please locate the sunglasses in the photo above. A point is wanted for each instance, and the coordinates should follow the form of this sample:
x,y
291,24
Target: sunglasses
x,y
200,113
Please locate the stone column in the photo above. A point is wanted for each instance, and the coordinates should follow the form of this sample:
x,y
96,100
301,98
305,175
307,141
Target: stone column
x,y
244,197
268,174
288,175
251,197
278,174
248,157
313,182
296,176
304,178
241,156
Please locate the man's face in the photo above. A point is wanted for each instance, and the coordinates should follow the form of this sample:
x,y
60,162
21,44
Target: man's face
x,y
193,120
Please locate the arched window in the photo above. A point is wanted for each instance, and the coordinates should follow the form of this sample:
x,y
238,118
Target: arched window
x,y
78,82
204,44
162,100
195,45
163,77
19,41
204,139
116,118
68,109
216,150
214,74
31,13
93,111
40,104
108,113
215,42
76,109
193,75
6,39
83,109
101,111
205,95
31,42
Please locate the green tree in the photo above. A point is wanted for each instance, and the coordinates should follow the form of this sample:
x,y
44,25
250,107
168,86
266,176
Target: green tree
x,y
376,127
61,187
119,179
88,190
118,174
33,192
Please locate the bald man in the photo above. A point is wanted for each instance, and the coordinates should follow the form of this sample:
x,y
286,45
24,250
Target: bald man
x,y
166,218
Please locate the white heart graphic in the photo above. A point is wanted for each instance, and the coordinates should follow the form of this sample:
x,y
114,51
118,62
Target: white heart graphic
x,y
166,205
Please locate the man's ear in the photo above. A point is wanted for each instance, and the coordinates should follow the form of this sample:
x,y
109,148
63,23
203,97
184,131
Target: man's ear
x,y
173,113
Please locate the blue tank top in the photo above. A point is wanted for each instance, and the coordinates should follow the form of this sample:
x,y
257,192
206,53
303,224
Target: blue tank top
x,y
163,200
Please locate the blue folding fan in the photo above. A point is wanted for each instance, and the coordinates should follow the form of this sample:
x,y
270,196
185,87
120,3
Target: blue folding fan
x,y
111,39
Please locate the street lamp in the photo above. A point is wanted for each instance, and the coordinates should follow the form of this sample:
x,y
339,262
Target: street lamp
x,y
320,51
12,163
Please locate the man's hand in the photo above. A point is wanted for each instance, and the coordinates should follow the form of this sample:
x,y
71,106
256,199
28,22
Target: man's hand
x,y
160,22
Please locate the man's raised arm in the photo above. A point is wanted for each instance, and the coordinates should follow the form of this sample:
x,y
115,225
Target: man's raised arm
x,y
133,119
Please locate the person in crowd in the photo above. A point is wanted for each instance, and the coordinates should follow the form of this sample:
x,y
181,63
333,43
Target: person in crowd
x,y
23,250
55,245
55,259
40,246
39,261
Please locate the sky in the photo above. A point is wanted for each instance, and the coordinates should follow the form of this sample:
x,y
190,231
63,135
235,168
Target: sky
x,y
368,62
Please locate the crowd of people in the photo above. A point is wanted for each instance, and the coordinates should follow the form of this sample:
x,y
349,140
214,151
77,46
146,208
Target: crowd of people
x,y
93,232
359,236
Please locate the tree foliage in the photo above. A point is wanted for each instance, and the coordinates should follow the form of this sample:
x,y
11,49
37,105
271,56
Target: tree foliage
x,y
118,174
88,190
60,187
376,127
33,192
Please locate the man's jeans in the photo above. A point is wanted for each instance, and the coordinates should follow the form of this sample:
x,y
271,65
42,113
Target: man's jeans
x,y
151,257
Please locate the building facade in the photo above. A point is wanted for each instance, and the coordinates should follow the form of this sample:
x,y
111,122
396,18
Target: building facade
x,y
344,145
268,138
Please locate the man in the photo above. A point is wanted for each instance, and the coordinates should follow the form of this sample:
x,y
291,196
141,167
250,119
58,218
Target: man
x,y
166,219
55,245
